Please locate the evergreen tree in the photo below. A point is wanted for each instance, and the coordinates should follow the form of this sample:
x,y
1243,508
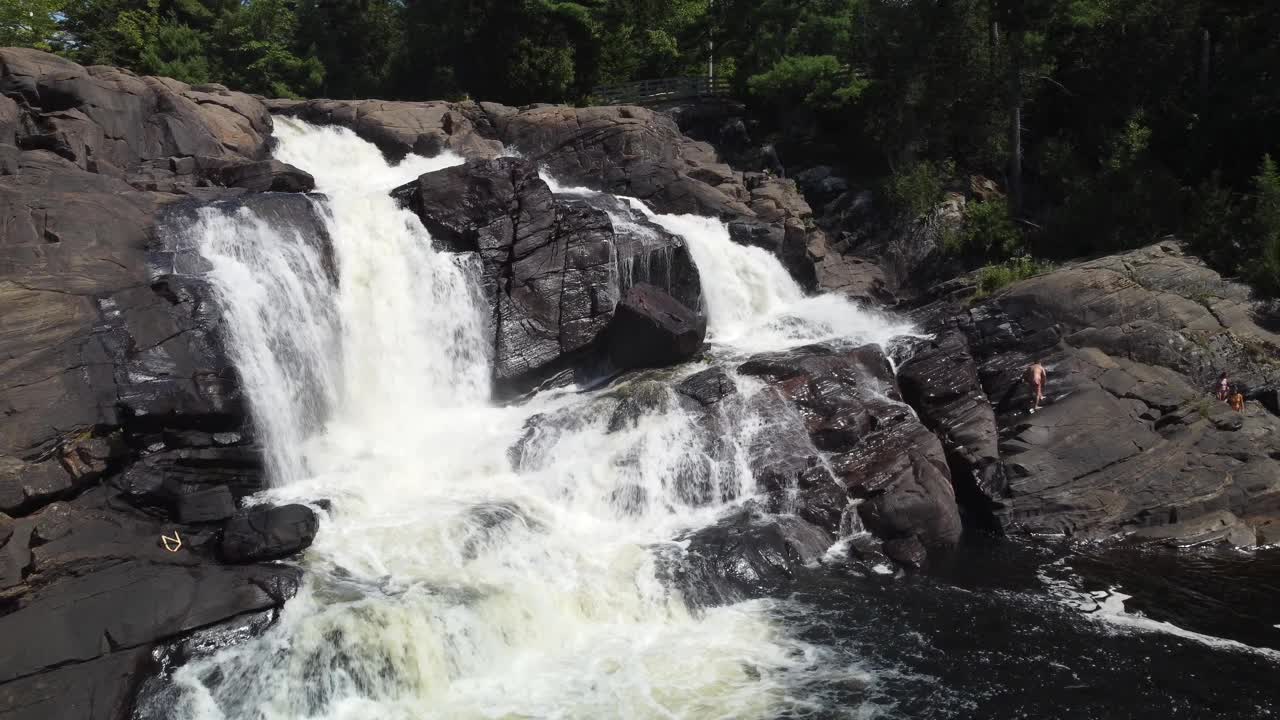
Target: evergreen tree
x,y
29,23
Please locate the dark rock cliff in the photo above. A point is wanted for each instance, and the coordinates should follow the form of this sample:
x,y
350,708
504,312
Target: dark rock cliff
x,y
1131,438
121,418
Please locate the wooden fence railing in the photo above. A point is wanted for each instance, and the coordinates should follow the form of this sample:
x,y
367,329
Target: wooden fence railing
x,y
646,92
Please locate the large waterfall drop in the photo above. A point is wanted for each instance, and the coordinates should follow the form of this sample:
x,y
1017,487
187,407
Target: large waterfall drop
x,y
450,580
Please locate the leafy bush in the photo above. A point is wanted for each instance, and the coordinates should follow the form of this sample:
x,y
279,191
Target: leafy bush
x,y
1214,226
1266,226
994,277
819,81
917,189
28,22
987,231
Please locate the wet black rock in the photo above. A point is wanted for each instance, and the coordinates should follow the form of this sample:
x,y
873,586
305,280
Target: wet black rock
x,y
552,267
865,454
749,554
707,387
260,176
652,329
208,505
940,380
268,533
100,689
906,551
157,694
636,400
96,583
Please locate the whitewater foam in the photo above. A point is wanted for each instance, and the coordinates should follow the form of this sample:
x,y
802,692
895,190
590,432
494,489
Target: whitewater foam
x,y
453,578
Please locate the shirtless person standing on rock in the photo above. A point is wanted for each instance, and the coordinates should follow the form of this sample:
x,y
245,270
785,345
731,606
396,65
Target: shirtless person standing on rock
x,y
1035,375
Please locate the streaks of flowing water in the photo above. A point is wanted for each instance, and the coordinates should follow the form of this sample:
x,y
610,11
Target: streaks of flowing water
x,y
456,577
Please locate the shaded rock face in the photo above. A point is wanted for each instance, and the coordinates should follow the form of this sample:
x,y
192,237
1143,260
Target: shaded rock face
x,y
941,382
121,417
123,422
652,329
861,250
1130,437
553,269
748,554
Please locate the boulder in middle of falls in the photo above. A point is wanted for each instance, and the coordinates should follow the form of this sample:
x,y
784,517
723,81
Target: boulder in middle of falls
x,y
652,329
268,533
553,267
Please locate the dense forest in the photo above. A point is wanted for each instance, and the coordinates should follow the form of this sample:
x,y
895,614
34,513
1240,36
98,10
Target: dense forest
x,y
1105,123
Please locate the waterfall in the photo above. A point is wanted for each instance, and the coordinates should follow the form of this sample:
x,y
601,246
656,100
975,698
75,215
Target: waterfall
x,y
454,578
753,303
282,320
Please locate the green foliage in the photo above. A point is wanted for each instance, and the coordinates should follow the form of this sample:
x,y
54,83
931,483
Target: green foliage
x,y
1266,226
28,23
918,188
1214,227
541,70
992,278
249,44
987,231
818,81
356,41
258,57
176,51
1125,133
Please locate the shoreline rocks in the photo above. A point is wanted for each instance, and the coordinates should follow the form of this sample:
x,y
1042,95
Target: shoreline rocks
x,y
122,420
1130,438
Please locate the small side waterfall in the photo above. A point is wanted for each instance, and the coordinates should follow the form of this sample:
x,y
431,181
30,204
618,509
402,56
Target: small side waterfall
x,y
284,328
456,578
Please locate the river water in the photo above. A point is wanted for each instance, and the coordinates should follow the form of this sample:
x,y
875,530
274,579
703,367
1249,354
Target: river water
x,y
451,580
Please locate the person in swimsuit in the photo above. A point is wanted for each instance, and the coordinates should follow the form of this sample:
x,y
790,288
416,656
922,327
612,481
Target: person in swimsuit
x,y
1224,387
1237,400
1035,376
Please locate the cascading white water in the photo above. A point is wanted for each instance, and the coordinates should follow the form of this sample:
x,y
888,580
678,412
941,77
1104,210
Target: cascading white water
x,y
753,303
455,578
279,304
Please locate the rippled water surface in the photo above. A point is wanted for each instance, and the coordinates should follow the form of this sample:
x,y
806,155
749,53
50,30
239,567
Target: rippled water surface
x,y
1036,631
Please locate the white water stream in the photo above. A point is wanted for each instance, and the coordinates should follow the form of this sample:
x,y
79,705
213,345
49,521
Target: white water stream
x,y
450,581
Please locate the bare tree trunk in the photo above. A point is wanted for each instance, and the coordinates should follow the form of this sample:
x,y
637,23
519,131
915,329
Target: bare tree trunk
x,y
1015,120
1206,47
